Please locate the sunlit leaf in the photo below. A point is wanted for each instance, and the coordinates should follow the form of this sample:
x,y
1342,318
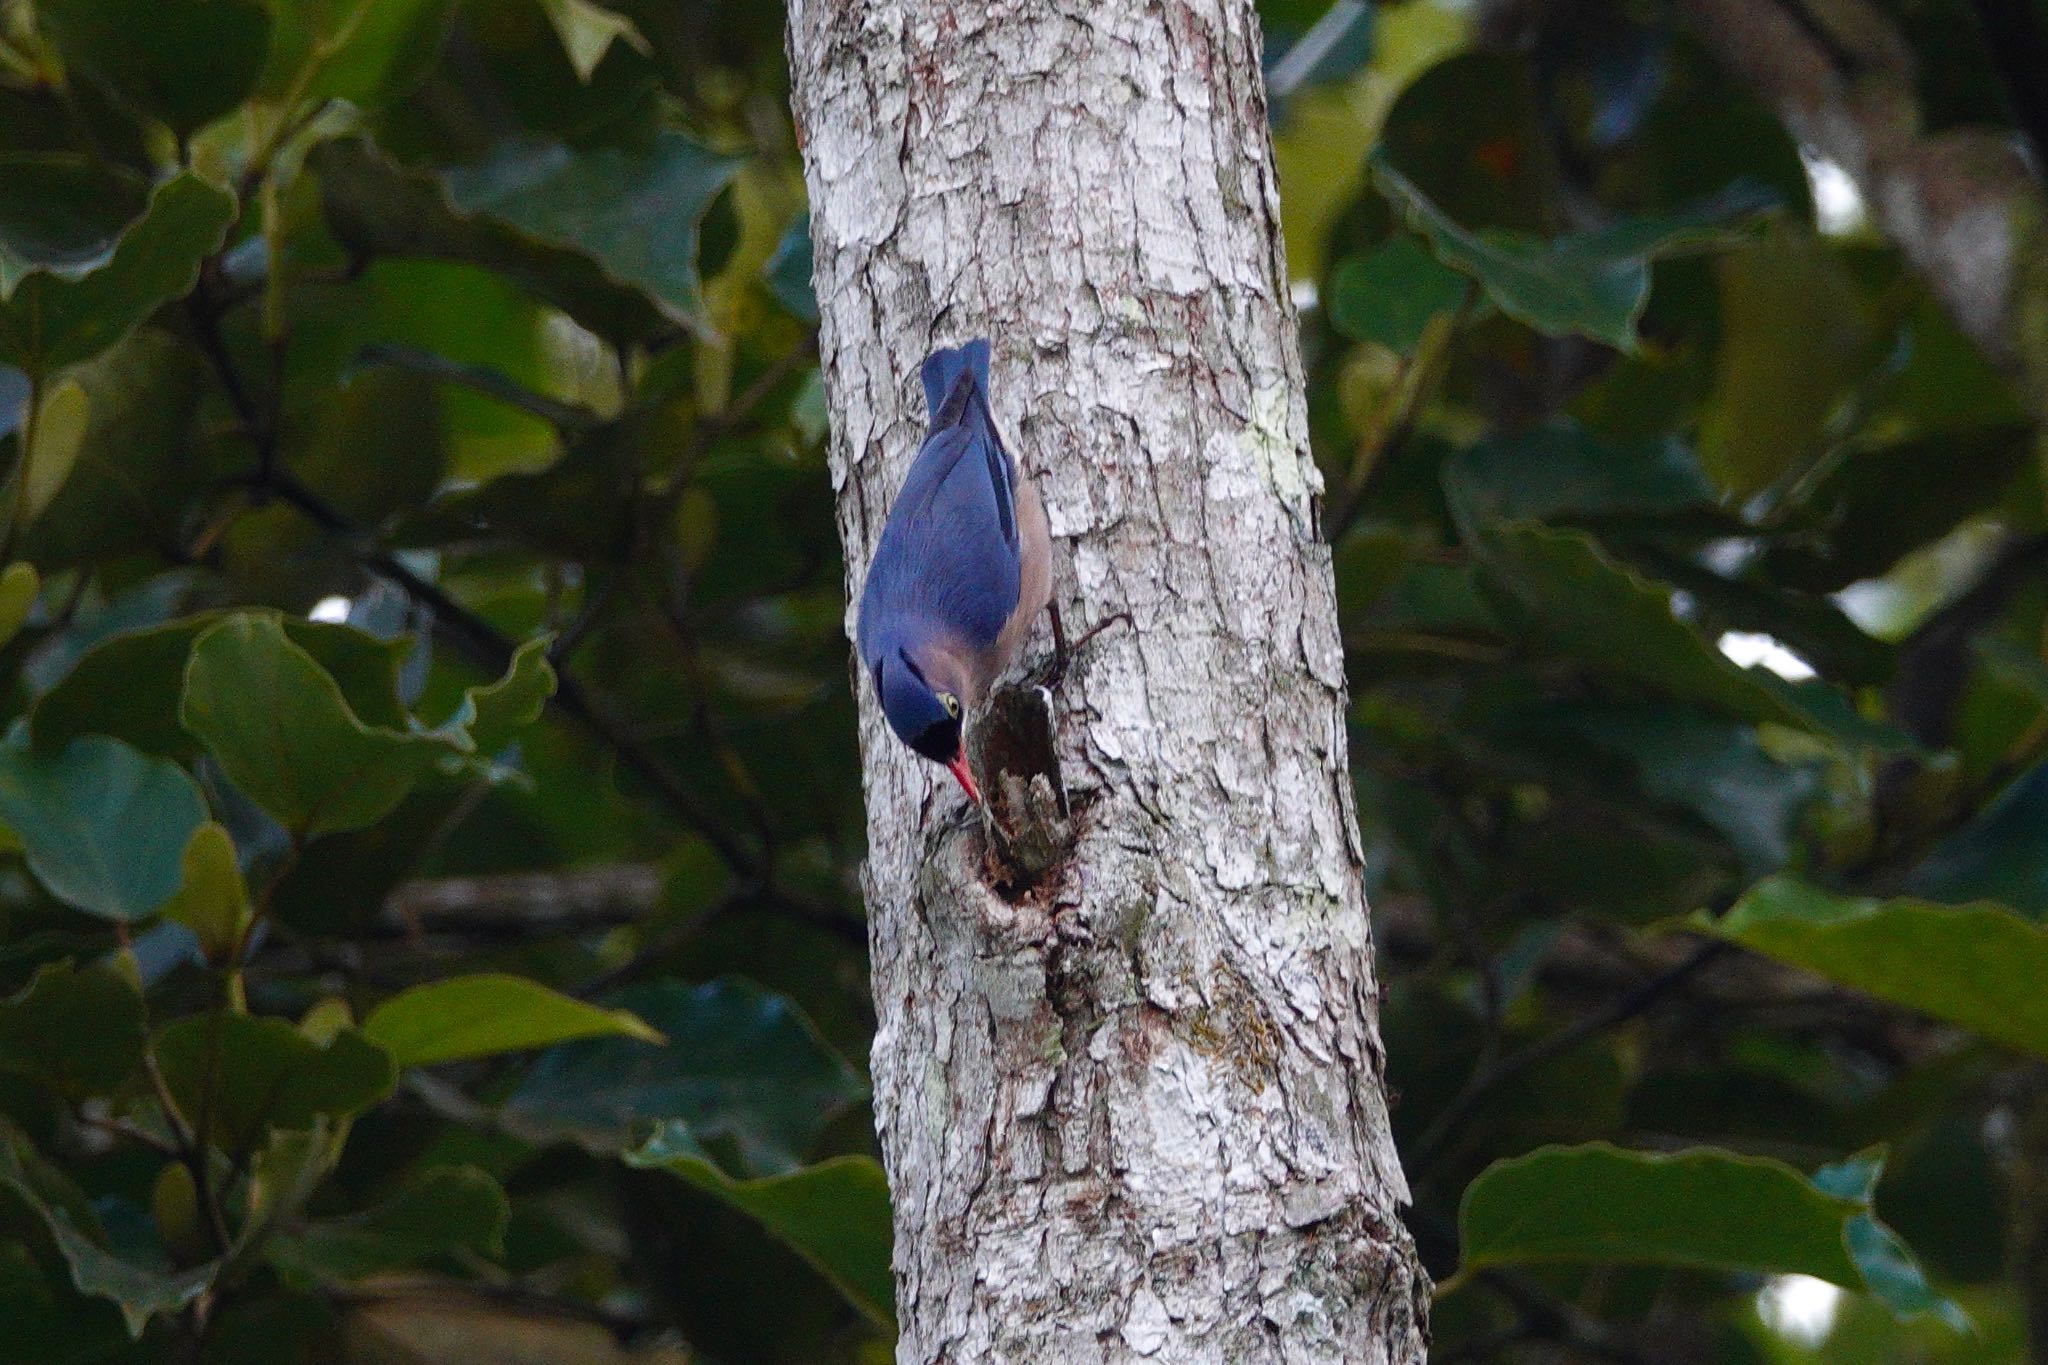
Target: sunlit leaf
x,y
476,1016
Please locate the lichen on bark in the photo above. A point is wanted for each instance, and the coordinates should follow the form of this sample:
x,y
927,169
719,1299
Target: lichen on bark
x,y
1135,1110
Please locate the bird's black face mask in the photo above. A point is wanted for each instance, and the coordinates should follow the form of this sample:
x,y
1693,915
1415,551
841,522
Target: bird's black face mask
x,y
941,742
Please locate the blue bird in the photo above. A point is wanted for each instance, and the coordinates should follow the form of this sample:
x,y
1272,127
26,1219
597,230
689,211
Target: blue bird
x,y
962,570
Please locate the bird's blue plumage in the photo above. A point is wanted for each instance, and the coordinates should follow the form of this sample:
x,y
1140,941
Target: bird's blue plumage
x,y
947,571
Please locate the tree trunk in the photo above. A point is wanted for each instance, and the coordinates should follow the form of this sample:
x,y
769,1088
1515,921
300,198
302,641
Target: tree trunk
x,y
1136,1110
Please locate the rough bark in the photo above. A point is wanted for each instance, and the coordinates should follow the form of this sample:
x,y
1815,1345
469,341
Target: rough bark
x,y
1135,1111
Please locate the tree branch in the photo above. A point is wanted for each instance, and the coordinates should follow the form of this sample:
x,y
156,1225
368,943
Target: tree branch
x,y
1961,204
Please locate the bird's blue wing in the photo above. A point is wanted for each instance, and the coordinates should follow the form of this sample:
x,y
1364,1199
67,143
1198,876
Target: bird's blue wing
x,y
948,557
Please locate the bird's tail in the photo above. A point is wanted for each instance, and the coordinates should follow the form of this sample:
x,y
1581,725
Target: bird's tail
x,y
942,369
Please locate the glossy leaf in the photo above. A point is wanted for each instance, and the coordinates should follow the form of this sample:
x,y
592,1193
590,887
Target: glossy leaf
x,y
1593,284
834,1214
55,316
1702,1208
1889,1271
1980,966
477,1016
103,825
741,1065
789,270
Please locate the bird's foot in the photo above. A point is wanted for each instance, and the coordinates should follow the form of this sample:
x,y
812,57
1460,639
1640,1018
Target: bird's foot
x,y
1063,653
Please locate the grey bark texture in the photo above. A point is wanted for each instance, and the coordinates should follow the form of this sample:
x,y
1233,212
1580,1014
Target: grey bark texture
x,y
1133,1111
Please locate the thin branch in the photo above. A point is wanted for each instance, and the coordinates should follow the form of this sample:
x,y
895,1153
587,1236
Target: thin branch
x,y
481,379
1437,1138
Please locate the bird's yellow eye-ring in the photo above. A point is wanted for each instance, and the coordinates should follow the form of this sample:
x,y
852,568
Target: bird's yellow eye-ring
x,y
951,703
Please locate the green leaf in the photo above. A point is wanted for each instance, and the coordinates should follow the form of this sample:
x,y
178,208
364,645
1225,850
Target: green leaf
x,y
213,902
477,1016
368,52
588,31
1703,1208
1980,966
1392,295
62,212
789,270
19,584
1574,600
138,467
103,825
65,1328
1593,284
52,317
140,1292
1889,1271
492,714
1878,504
79,1029
834,1214
281,729
247,1074
1714,768
446,1210
186,64
1559,471
607,235
741,1065
130,684
1796,335
59,428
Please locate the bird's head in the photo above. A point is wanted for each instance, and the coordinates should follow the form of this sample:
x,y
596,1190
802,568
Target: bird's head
x,y
923,701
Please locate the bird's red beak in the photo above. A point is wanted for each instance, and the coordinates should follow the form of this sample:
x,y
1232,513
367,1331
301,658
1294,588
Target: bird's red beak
x,y
958,767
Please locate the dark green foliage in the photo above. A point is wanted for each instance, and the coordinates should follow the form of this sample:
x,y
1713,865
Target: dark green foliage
x,y
481,962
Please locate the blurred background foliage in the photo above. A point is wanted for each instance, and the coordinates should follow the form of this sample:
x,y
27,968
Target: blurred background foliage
x,y
428,924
